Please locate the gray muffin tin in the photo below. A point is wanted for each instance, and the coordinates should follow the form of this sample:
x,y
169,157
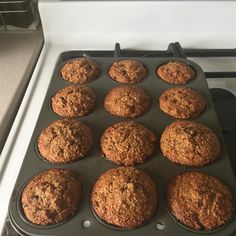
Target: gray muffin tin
x,y
93,165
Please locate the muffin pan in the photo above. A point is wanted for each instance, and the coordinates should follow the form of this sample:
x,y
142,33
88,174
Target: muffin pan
x,y
93,165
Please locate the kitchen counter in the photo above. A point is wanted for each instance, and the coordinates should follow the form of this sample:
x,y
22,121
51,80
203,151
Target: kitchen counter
x,y
18,54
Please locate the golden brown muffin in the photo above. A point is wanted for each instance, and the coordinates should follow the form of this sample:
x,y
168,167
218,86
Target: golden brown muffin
x,y
199,201
125,197
127,143
64,141
189,143
127,101
176,73
127,71
51,196
80,70
74,101
182,103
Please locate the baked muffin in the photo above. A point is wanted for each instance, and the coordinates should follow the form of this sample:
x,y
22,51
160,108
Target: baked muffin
x,y
125,197
199,201
128,71
189,143
127,101
64,141
176,72
51,196
182,103
128,143
74,101
80,70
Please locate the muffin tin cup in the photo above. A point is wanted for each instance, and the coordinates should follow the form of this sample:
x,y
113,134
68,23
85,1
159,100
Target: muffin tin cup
x,y
89,168
188,228
22,215
61,117
188,62
131,84
191,118
61,65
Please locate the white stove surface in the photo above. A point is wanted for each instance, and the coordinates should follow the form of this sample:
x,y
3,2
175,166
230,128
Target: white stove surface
x,y
98,25
139,24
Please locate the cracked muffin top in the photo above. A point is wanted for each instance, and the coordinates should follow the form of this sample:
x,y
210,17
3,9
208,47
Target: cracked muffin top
x,y
127,71
125,197
199,200
189,143
65,141
74,101
51,197
80,70
182,103
127,101
127,143
176,73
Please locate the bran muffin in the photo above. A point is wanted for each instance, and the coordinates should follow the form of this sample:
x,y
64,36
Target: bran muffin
x,y
127,71
80,70
74,101
189,143
127,101
127,143
125,197
199,201
51,196
176,73
182,103
64,141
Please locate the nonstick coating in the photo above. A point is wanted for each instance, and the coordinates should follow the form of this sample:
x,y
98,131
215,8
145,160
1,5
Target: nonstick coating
x,y
93,165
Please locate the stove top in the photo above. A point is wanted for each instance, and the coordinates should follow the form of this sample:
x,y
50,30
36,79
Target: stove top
x,y
149,25
220,75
